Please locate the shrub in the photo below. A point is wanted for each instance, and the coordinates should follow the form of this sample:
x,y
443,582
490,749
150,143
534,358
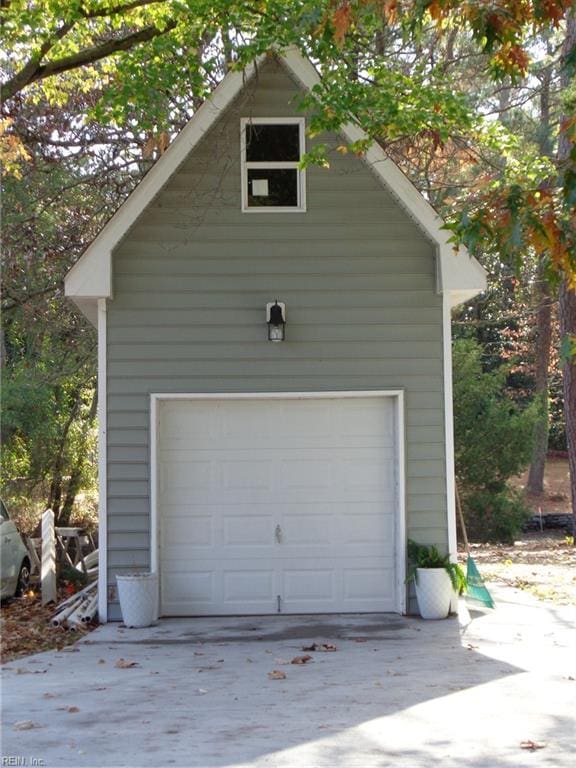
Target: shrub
x,y
495,517
493,439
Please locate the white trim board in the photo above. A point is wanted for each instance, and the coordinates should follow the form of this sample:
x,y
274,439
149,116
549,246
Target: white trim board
x,y
452,542
397,394
102,468
90,278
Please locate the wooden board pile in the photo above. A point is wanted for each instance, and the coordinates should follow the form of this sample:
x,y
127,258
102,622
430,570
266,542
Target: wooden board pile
x,y
81,608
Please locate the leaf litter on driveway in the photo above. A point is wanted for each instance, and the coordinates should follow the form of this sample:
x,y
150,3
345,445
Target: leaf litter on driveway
x,y
320,647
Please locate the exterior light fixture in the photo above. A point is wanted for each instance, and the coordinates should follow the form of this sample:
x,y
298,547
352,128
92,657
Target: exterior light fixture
x,y
276,319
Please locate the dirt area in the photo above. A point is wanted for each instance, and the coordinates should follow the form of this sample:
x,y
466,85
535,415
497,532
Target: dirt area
x,y
541,564
556,496
25,628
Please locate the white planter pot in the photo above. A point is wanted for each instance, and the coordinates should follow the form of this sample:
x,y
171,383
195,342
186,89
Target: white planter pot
x,y
434,592
138,595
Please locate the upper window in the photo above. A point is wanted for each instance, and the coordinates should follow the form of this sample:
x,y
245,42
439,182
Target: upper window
x,y
271,152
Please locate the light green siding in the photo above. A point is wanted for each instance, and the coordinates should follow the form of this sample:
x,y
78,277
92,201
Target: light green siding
x,y
191,280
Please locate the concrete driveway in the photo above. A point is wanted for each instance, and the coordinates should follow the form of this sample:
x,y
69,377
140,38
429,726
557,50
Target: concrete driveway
x,y
397,692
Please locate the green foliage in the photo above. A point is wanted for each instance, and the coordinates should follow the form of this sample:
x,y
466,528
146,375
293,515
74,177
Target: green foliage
x,y
493,440
495,517
48,367
428,556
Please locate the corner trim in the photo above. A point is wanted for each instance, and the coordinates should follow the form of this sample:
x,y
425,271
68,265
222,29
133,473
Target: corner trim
x,y
102,467
449,427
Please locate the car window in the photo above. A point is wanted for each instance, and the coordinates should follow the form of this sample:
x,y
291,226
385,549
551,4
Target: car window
x,y
4,512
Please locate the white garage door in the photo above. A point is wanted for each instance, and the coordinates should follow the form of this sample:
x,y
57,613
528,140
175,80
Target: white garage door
x,y
277,505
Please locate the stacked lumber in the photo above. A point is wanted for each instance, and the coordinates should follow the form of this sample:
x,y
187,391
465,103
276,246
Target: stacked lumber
x,y
81,608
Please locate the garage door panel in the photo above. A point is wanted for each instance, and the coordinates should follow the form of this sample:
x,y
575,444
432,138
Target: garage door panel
x,y
254,475
186,474
368,474
305,473
179,423
248,530
357,419
188,588
308,585
364,581
365,528
305,422
307,516
186,530
308,529
252,584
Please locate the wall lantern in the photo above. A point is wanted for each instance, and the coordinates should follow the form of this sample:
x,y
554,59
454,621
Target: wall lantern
x,y
276,319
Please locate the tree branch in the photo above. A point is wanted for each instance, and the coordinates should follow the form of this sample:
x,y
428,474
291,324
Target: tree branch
x,y
27,74
96,13
34,71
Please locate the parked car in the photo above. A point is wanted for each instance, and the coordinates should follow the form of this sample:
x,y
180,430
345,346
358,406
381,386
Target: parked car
x,y
14,560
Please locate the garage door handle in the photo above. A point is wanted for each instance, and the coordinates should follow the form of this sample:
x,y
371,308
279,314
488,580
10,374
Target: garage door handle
x,y
278,534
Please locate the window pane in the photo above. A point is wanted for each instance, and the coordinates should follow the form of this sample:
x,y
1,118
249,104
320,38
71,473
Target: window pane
x,y
272,187
276,143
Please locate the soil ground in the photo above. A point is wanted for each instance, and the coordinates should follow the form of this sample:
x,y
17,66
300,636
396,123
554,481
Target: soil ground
x,y
556,496
541,564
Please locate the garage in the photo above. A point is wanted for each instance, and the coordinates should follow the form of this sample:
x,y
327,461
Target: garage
x,y
277,504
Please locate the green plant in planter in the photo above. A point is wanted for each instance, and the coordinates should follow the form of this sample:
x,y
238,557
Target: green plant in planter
x,y
427,556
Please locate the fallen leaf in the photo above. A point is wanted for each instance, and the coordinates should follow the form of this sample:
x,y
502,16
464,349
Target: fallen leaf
x,y
125,664
282,661
101,661
301,659
277,674
320,647
25,725
49,696
72,710
470,647
532,745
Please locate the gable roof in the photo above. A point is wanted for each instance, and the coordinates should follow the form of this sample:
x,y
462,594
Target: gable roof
x,y
90,279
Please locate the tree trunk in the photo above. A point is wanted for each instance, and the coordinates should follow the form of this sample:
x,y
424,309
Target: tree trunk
x,y
567,305
568,327
75,481
543,342
56,484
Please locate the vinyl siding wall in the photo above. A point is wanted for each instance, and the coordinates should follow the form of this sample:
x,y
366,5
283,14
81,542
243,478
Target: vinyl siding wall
x,y
191,280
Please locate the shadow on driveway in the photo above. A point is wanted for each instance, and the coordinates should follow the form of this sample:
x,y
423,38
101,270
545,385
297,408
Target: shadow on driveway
x,y
397,692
